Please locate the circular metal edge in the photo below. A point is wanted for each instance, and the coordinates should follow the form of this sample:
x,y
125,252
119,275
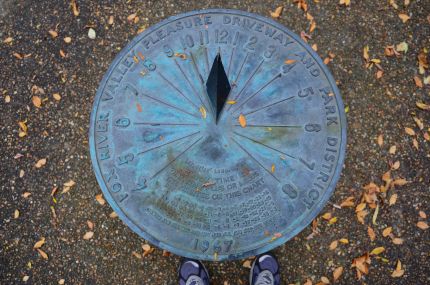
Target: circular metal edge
x,y
304,222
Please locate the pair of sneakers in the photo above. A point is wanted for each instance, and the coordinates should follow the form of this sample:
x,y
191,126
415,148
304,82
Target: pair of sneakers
x,y
264,271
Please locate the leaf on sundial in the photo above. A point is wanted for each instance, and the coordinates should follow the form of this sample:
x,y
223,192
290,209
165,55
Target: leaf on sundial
x,y
272,169
231,102
290,61
203,112
242,120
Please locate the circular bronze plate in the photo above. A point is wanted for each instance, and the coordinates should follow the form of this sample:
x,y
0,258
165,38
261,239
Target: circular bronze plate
x,y
217,134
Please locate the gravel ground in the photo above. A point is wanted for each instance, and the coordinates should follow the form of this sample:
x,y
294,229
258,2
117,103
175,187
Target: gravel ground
x,y
35,63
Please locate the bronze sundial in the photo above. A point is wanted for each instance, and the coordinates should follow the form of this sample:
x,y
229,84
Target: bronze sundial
x,y
217,134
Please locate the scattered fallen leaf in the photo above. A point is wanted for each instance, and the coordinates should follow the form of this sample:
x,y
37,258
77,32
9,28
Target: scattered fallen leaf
x,y
419,123
39,243
393,149
344,240
53,33
422,225
332,220
404,17
366,53
348,202
360,207
113,215
37,102
242,120
61,282
418,81
75,8
88,235
42,253
277,12
68,185
398,272
272,169
67,40
393,199
326,216
395,165
375,215
422,214
90,225
110,20
410,131
337,273
423,106
56,96
290,61
380,140
16,214
40,163
345,2
247,264
8,40
333,245
398,241
387,231
403,46
371,233
377,250
100,199
25,278
325,280
231,102
131,17
26,194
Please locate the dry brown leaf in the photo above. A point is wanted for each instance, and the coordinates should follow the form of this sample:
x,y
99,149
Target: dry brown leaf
x,y
110,20
371,233
56,96
247,264
337,273
380,140
333,245
419,123
422,214
113,215
8,40
40,163
42,253
53,33
393,149
393,199
395,165
277,12
418,81
39,243
62,53
400,182
37,102
131,17
348,202
26,194
422,225
398,272
377,250
379,74
366,53
415,143
314,47
290,61
360,207
139,107
88,235
16,214
242,120
404,17
100,199
387,231
325,280
75,8
410,131
146,247
67,40
345,2
398,241
90,225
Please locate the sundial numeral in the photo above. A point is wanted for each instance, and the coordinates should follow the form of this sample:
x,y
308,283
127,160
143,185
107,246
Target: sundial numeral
x,y
250,44
290,190
287,68
270,51
149,65
306,92
141,184
313,128
122,122
310,166
168,50
125,159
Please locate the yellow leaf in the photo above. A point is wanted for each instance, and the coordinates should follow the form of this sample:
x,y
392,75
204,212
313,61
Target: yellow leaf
x,y
404,17
344,240
272,169
387,231
326,216
366,52
337,273
422,225
231,102
203,112
242,120
332,221
75,8
56,96
423,106
16,214
360,207
345,2
290,61
375,215
377,250
39,243
88,235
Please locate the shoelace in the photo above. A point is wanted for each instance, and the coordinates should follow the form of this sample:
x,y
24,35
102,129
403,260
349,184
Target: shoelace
x,y
265,278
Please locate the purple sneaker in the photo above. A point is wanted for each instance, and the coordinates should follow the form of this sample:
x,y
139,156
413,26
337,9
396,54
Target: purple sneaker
x,y
193,272
265,271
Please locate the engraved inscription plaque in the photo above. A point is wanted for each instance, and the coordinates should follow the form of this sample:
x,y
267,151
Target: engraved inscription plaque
x,y
217,134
